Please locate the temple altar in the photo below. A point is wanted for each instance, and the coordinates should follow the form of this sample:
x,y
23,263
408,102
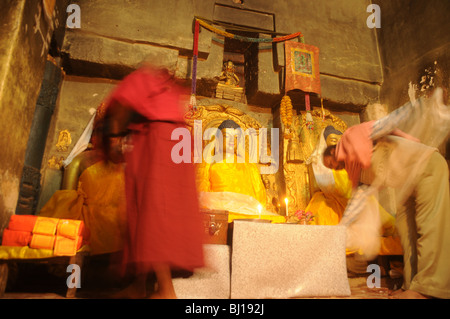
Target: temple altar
x,y
243,192
294,179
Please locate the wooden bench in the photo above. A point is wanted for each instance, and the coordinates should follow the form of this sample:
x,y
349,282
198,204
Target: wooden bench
x,y
5,263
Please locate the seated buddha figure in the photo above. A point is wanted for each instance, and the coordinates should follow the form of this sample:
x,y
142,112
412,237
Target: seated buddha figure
x,y
328,204
228,77
335,189
233,184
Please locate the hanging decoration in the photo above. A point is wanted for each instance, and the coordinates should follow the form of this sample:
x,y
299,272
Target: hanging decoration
x,y
286,114
198,23
309,119
302,72
247,39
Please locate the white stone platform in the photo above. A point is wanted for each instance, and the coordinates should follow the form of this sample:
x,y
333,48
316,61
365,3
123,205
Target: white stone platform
x,y
288,261
210,282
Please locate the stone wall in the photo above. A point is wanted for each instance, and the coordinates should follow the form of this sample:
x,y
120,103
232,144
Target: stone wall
x,y
110,44
413,37
25,37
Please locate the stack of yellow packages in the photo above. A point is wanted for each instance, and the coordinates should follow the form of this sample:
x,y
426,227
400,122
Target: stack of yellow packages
x,y
63,236
70,236
44,232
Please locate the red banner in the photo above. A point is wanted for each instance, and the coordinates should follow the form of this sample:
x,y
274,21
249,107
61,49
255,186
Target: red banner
x,y
302,67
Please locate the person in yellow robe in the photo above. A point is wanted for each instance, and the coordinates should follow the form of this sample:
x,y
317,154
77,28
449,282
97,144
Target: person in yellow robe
x,y
234,184
335,189
93,190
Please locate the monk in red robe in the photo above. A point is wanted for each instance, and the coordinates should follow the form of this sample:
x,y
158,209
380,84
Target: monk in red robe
x,y
164,222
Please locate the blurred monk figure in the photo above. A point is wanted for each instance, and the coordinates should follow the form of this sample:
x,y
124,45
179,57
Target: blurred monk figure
x,y
93,190
164,223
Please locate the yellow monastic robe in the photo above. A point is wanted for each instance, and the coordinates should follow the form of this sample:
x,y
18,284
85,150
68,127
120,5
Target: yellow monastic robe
x,y
99,202
240,178
328,210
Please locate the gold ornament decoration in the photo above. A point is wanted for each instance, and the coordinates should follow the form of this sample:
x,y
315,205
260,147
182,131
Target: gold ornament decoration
x,y
286,112
64,141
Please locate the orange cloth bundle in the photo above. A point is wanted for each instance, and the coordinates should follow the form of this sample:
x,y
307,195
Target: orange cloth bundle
x,y
70,228
39,241
45,226
67,247
23,223
16,238
63,236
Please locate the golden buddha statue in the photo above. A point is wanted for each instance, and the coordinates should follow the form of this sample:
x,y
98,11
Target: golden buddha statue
x,y
233,184
228,75
334,187
228,86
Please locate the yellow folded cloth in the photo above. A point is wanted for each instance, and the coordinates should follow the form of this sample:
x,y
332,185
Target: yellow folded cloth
x,y
70,228
39,241
275,219
25,252
45,226
67,247
13,253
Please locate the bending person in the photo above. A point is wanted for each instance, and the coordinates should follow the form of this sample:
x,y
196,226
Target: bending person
x,y
335,189
382,155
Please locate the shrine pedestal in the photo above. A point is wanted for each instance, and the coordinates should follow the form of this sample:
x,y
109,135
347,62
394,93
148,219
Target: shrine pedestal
x,y
210,282
287,261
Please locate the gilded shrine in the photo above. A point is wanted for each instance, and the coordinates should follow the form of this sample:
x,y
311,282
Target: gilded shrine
x,y
294,179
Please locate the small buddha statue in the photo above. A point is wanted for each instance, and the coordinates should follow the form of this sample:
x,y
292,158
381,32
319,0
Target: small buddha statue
x,y
228,77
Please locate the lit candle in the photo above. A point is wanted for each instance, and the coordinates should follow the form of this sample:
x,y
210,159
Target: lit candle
x,y
259,210
287,206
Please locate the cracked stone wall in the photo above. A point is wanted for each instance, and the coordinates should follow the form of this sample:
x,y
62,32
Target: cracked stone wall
x,y
25,37
414,43
115,36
